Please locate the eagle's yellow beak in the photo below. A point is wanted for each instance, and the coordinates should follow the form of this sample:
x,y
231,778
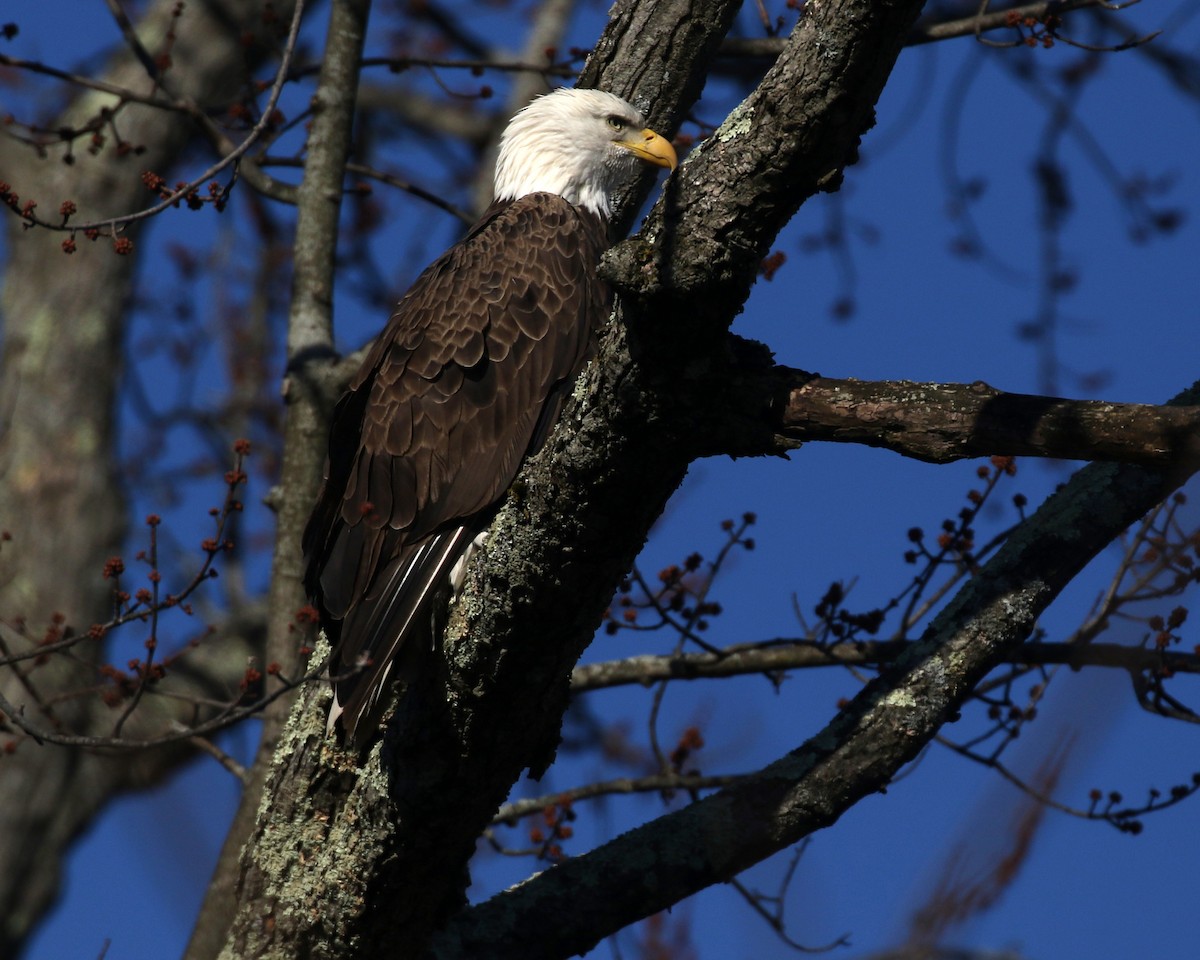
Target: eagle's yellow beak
x,y
649,146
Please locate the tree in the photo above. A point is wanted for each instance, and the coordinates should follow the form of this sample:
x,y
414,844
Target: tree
x,y
346,859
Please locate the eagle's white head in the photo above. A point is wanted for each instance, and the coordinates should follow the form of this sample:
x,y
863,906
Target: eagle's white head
x,y
579,144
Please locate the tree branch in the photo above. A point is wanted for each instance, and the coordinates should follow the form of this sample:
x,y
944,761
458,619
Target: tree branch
x,y
777,656
653,783
940,423
931,30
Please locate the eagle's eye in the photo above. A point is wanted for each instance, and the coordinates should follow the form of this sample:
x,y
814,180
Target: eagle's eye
x,y
617,123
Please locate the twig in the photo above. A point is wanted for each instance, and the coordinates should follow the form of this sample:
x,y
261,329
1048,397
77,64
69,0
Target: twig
x,y
231,715
654,783
775,918
109,226
207,746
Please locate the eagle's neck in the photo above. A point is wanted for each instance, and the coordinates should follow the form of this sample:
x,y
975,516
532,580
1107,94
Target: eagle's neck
x,y
573,173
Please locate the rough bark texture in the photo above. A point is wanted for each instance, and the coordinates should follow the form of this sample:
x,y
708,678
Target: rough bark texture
x,y
656,56
64,322
943,422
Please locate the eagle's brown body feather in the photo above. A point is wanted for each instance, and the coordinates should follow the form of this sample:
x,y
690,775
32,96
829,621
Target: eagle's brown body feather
x,y
463,384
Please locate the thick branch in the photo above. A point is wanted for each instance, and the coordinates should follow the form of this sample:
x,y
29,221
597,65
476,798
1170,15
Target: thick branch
x,y
940,423
656,56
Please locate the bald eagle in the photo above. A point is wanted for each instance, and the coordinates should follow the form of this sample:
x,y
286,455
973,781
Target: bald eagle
x,y
465,382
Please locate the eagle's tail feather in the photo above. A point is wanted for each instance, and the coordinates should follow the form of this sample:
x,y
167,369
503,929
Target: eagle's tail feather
x,y
390,625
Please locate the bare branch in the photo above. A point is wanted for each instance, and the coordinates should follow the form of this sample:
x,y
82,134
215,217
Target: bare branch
x,y
940,423
227,717
133,41
932,31
775,656
362,170
988,20
113,225
654,783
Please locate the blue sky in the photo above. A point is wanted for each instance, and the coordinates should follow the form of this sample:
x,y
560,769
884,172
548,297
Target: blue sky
x,y
836,513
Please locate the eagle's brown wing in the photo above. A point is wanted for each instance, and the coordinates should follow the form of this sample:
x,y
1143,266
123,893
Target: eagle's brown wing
x,y
464,383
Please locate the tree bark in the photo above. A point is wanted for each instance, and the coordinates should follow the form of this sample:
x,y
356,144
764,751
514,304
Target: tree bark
x,y
776,408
